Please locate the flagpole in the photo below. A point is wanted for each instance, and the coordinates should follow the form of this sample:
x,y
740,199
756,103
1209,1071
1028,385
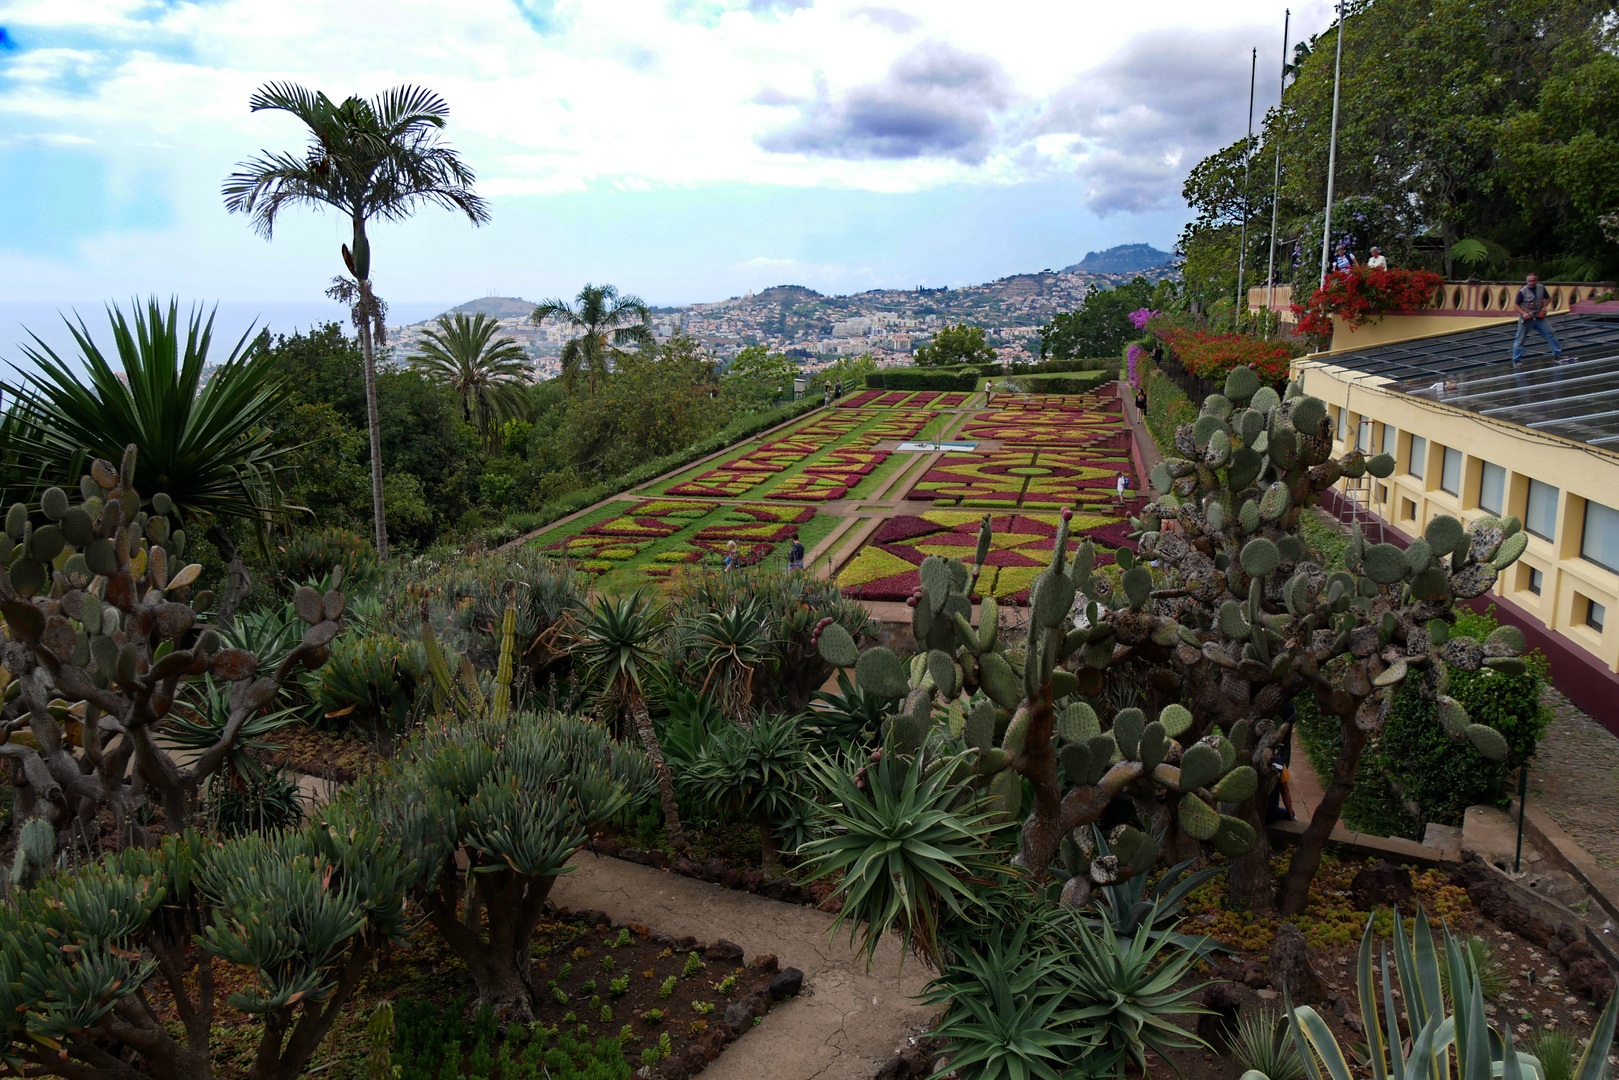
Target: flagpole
x,y
1247,156
1332,151
1276,185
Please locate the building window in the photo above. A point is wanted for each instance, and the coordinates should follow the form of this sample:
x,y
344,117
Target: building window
x,y
1450,475
1418,465
1540,515
1391,440
1536,582
1492,487
1595,614
1382,493
1408,510
1342,416
1599,541
1364,438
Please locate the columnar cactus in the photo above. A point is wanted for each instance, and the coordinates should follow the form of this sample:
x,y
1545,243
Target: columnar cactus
x,y
102,632
1237,622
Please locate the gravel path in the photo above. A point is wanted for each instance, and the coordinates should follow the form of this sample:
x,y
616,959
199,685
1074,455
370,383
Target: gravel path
x,y
1575,778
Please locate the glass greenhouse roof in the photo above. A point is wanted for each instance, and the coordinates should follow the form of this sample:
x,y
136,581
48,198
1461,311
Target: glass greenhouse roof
x,y
1472,370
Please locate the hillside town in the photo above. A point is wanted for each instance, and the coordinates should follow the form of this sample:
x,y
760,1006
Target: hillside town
x,y
814,329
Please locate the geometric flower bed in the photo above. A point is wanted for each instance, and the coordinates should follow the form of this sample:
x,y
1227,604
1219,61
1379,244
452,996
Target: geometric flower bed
x,y
658,535
886,568
815,463
905,399
1054,452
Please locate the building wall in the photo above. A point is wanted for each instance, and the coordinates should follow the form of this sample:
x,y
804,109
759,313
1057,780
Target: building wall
x,y
1569,583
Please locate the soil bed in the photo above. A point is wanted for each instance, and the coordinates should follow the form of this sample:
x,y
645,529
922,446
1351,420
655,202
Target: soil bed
x,y
601,987
329,755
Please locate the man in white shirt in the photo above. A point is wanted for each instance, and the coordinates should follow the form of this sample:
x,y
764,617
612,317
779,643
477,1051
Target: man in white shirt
x,y
1377,262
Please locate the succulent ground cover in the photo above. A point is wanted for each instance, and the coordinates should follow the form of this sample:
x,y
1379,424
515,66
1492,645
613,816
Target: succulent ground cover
x,y
650,539
888,567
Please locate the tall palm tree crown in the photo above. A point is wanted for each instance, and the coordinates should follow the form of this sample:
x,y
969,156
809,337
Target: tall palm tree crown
x,y
604,322
372,159
487,372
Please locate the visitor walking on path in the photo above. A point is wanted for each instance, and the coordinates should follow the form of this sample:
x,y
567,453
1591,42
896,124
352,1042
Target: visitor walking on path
x,y
1377,261
1124,483
795,554
730,555
1141,401
1532,302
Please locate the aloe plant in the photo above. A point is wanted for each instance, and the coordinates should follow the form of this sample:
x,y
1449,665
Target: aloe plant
x,y
1443,1044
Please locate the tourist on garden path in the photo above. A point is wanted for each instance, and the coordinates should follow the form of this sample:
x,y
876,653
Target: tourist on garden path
x,y
730,555
1532,302
1344,261
1124,483
1377,261
795,554
1141,401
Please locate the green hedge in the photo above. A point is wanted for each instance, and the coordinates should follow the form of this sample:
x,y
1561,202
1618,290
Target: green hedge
x,y
1413,773
921,379
1093,364
734,432
1065,384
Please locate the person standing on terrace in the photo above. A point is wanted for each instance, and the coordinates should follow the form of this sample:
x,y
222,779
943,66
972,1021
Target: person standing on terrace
x,y
1344,261
1377,261
1532,303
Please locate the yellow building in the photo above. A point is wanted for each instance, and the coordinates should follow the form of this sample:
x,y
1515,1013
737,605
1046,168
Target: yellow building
x,y
1473,436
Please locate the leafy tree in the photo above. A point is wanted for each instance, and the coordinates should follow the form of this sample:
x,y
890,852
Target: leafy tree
x,y
487,373
843,368
961,344
757,376
603,323
371,160
327,464
1101,326
202,438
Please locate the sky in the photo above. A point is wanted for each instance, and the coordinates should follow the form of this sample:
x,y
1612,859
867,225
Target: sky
x,y
683,150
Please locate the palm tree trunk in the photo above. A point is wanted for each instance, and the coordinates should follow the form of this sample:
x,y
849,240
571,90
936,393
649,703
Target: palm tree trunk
x,y
666,781
374,428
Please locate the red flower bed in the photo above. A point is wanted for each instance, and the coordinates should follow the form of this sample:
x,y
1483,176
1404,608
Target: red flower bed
x,y
1360,296
859,399
904,527
951,401
1212,356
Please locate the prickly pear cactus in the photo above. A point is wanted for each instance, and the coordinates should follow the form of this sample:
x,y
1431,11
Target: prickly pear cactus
x,y
102,629
1221,619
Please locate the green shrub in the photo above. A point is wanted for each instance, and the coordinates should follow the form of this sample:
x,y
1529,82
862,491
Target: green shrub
x,y
370,682
1065,384
237,805
311,556
917,379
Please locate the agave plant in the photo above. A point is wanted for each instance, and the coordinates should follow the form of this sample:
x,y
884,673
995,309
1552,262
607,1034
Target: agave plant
x,y
1480,1051
201,431
1262,1044
755,772
1127,904
852,715
1008,1016
731,644
904,854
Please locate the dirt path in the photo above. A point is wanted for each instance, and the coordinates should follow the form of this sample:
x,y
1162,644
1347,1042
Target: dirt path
x,y
1575,778
848,1019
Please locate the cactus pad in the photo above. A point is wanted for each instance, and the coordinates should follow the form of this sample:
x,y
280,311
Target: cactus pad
x,y
1078,722
1385,564
1260,556
1241,384
1308,412
1176,719
1487,741
1152,745
1275,502
1238,784
1200,765
1509,551
1198,819
1137,583
1127,726
1443,533
1235,837
1380,466
880,672
944,673
998,680
837,646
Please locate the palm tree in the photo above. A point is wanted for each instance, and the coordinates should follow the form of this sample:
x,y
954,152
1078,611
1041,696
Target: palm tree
x,y
615,645
376,159
488,375
604,321
202,435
